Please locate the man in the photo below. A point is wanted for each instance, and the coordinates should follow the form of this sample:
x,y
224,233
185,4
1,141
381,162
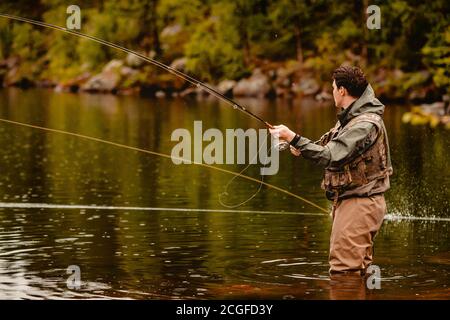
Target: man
x,y
355,154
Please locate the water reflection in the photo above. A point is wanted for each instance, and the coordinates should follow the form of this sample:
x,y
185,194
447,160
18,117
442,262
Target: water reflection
x,y
153,254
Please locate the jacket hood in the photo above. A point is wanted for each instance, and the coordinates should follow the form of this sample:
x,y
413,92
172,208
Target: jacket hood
x,y
364,104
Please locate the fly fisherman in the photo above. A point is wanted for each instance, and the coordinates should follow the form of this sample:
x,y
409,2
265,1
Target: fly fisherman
x,y
355,155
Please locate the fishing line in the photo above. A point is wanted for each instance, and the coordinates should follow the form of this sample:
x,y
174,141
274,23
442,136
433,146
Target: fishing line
x,y
124,146
280,146
225,193
35,205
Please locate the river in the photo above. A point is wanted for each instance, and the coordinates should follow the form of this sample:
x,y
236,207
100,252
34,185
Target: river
x,y
159,230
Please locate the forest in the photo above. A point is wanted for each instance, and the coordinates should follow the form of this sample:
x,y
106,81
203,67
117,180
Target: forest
x,y
282,47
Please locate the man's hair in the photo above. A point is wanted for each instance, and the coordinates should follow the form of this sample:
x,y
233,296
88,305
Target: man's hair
x,y
352,79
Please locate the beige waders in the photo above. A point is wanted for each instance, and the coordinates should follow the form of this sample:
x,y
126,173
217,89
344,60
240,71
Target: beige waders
x,y
355,224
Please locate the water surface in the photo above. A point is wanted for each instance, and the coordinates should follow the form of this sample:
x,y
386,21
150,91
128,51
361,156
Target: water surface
x,y
277,247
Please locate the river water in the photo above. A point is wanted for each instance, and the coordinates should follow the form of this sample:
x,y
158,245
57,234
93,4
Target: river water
x,y
159,231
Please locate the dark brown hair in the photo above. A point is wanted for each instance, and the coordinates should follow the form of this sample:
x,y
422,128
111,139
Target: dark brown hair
x,y
352,79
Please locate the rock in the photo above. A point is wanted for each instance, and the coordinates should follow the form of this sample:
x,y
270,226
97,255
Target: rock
x,y
113,65
283,92
128,72
73,85
306,86
171,30
283,76
45,83
256,86
179,64
133,61
10,63
431,114
446,99
323,96
436,108
160,94
189,92
225,87
417,94
397,74
105,81
129,91
17,78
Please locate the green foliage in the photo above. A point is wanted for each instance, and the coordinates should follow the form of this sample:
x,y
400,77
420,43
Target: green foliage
x,y
437,58
228,38
213,50
6,39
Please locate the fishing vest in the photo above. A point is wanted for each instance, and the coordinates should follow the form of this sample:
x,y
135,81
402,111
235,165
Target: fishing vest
x,y
372,164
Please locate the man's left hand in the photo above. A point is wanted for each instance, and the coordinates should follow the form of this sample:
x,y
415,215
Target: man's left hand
x,y
282,132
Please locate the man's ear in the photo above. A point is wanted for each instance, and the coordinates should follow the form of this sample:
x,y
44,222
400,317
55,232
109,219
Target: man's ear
x,y
342,91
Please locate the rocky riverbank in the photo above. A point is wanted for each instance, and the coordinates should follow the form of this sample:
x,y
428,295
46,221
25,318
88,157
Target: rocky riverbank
x,y
433,115
268,80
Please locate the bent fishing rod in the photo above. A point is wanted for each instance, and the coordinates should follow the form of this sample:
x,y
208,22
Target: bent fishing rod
x,y
175,72
283,145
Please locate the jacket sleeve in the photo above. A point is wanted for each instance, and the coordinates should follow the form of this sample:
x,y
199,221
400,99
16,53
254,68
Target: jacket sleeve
x,y
339,150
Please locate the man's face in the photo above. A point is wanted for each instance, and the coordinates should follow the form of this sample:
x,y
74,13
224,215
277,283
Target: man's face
x,y
337,95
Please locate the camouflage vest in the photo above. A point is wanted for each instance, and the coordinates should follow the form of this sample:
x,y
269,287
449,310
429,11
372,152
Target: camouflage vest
x,y
362,168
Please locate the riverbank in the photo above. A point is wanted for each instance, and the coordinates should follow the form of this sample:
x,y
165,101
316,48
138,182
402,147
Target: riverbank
x,y
132,76
268,79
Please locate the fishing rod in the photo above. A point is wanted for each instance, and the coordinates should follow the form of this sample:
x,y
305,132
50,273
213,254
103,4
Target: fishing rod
x,y
283,145
175,72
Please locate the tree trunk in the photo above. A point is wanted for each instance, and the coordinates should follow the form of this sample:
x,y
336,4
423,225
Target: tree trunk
x,y
154,28
298,45
364,54
148,36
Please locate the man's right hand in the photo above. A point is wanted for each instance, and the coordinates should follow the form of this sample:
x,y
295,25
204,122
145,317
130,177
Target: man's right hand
x,y
295,151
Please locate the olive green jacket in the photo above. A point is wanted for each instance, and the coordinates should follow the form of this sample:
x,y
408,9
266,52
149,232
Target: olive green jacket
x,y
348,143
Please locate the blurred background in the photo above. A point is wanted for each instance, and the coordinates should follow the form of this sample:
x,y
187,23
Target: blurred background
x,y
294,44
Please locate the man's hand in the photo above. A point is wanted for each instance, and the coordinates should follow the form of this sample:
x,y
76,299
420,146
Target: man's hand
x,y
282,132
295,151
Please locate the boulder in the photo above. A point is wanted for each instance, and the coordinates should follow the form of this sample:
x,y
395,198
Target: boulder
x,y
283,92
256,86
17,78
133,61
225,87
189,92
323,96
113,65
179,64
284,76
160,94
128,72
73,85
171,30
436,108
10,62
306,86
106,81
